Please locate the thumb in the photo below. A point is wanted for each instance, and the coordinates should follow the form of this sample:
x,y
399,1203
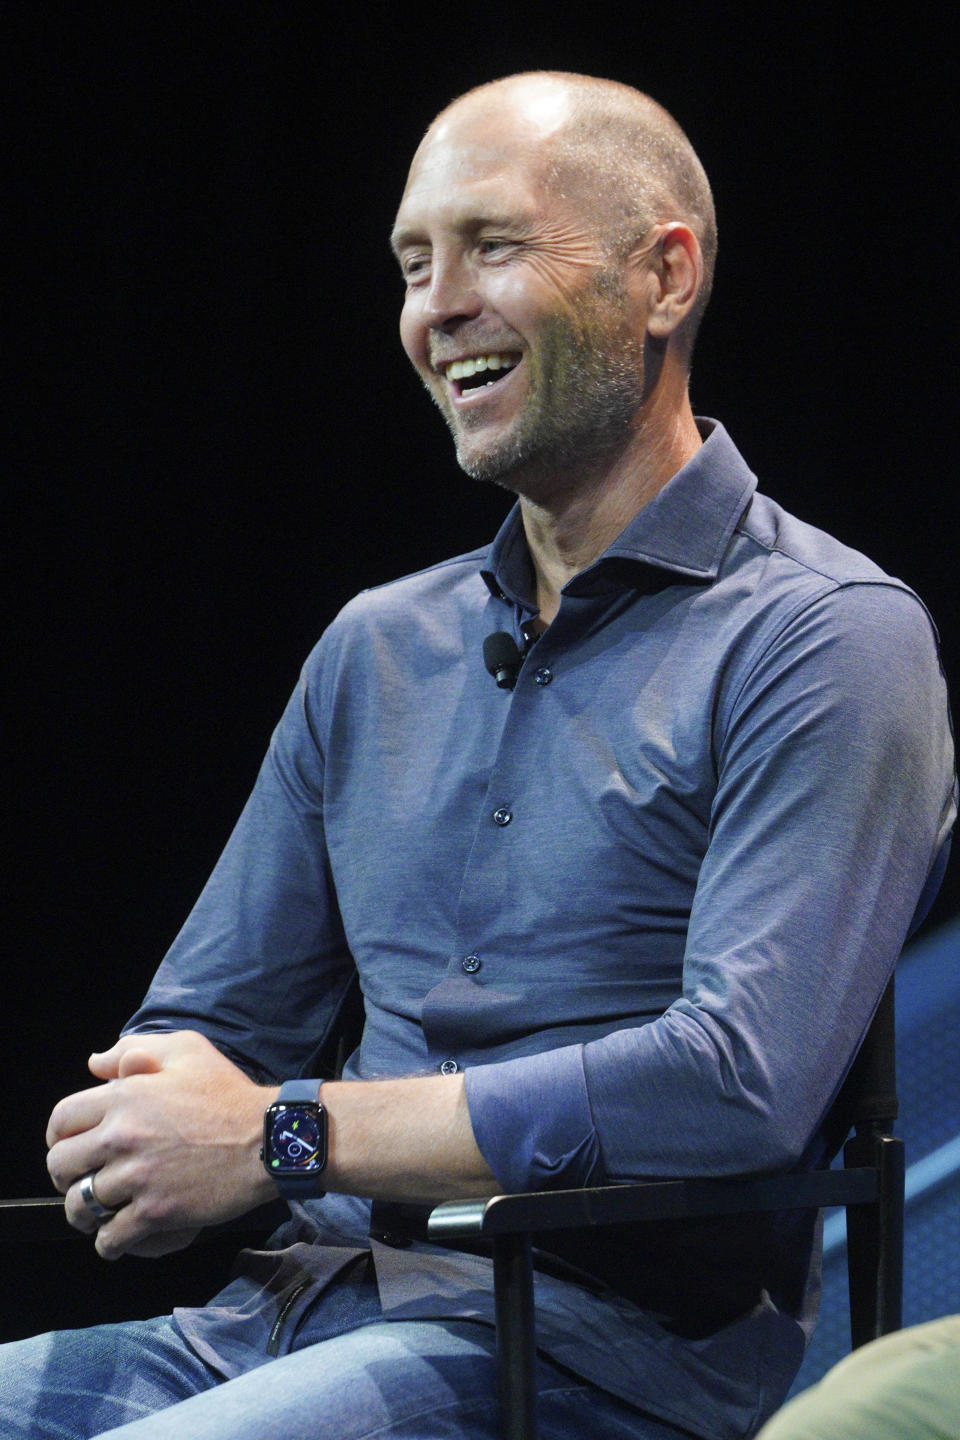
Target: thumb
x,y
105,1063
129,1056
138,1062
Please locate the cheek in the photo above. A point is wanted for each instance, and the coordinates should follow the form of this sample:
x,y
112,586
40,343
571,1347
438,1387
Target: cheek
x,y
522,298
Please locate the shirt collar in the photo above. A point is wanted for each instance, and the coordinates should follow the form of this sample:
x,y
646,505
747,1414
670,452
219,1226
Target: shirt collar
x,y
683,530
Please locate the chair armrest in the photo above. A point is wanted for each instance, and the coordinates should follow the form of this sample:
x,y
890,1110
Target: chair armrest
x,y
40,1218
649,1200
34,1218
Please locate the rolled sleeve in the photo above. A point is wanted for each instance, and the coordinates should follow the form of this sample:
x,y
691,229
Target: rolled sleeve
x,y
531,1119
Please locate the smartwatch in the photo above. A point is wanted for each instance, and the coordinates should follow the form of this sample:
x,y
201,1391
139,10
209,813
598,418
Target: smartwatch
x,y
295,1140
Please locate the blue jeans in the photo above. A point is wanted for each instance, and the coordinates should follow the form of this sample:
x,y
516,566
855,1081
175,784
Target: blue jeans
x,y
354,1375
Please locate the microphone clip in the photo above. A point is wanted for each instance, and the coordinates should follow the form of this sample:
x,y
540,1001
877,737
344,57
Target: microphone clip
x,y
502,657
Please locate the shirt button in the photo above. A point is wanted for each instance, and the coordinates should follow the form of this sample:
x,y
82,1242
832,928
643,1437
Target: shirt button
x,y
544,675
502,816
449,1067
471,964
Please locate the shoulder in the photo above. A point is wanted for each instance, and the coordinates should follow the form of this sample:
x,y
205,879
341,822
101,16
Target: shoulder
x,y
404,620
817,621
794,572
450,581
777,535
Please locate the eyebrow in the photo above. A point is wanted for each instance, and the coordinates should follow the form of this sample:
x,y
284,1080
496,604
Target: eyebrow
x,y
401,238
469,222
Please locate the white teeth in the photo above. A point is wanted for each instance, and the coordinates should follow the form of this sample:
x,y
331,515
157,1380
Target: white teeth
x,y
463,369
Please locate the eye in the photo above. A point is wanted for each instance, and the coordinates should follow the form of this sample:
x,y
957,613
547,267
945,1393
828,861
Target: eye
x,y
415,267
493,245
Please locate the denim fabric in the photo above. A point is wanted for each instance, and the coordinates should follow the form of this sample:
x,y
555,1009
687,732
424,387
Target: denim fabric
x,y
74,1383
410,1380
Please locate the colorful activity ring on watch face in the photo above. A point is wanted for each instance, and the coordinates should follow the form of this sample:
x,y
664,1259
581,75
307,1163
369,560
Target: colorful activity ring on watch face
x,y
295,1140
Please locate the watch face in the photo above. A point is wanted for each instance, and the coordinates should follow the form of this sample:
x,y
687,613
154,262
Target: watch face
x,y
295,1139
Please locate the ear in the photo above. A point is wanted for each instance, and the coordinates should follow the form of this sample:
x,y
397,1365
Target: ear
x,y
669,267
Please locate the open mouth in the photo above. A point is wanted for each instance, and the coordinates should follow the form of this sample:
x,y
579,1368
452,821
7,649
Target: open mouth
x,y
479,372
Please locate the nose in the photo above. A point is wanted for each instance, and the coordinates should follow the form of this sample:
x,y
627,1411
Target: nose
x,y
451,296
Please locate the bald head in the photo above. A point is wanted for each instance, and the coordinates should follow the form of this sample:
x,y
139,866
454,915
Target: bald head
x,y
613,150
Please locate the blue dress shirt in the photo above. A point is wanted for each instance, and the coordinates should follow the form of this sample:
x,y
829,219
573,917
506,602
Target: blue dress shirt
x,y
647,901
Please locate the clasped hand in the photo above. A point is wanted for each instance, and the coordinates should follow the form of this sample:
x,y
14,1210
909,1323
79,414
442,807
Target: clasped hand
x,y
173,1138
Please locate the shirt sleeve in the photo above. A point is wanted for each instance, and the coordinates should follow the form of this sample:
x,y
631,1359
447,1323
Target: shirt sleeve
x,y
835,790
261,964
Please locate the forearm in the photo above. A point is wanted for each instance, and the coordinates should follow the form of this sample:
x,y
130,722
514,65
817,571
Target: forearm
x,y
408,1139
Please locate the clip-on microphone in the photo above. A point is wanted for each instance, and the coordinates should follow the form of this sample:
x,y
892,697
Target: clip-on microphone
x,y
502,657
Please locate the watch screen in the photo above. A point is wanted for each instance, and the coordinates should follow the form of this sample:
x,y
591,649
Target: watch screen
x,y
296,1139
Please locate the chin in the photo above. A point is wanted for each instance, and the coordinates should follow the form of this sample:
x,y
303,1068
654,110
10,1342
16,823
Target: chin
x,y
494,465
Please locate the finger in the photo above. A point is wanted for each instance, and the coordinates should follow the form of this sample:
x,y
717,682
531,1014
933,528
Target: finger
x,y
163,1242
109,1241
79,1213
76,1113
105,1064
69,1160
138,1061
130,1232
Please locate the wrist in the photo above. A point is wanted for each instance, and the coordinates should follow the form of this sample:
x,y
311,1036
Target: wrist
x,y
407,1139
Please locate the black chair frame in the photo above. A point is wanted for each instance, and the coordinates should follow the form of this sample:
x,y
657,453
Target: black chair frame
x,y
870,1185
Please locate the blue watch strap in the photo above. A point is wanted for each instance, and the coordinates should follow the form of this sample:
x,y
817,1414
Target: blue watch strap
x,y
292,1090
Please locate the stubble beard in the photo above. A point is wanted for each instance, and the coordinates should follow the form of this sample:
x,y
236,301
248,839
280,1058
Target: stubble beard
x,y
585,388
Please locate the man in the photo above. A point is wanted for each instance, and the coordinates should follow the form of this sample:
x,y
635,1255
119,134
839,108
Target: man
x,y
629,917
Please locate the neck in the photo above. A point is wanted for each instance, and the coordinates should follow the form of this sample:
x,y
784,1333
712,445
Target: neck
x,y
570,522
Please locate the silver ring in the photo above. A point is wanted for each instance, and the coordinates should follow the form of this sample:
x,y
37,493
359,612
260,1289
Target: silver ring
x,y
89,1196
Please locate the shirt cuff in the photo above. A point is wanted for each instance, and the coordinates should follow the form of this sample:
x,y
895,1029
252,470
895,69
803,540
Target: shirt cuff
x,y
531,1119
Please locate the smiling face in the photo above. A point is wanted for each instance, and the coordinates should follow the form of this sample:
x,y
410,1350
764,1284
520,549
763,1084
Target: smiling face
x,y
517,315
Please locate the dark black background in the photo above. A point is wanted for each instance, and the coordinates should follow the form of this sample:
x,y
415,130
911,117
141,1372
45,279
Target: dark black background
x,y
215,439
